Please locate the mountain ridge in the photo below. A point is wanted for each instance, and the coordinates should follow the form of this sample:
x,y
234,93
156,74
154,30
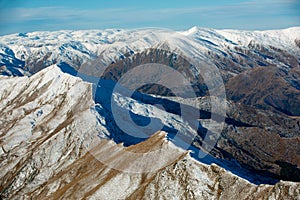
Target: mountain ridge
x,y
72,171
44,109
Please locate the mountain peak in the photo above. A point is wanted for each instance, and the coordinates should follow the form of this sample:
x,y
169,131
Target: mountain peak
x,y
191,31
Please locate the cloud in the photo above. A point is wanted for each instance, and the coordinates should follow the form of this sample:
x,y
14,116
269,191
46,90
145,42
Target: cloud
x,y
256,14
251,8
59,13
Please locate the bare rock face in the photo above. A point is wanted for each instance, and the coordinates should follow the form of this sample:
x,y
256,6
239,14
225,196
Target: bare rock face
x,y
42,155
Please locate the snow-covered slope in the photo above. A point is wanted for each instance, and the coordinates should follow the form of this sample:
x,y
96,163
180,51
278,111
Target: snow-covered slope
x,y
48,118
44,119
284,38
41,49
183,178
75,47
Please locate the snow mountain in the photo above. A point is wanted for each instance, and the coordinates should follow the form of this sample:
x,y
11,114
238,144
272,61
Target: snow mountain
x,y
66,132
50,119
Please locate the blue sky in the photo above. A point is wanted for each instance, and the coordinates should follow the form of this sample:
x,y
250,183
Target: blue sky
x,y
36,15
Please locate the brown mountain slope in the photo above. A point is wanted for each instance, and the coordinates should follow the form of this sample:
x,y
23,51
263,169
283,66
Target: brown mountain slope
x,y
183,178
268,88
43,157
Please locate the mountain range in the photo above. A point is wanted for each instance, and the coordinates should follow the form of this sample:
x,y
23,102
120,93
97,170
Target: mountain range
x,y
65,131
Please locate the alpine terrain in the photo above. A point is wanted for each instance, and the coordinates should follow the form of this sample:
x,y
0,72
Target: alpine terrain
x,y
150,114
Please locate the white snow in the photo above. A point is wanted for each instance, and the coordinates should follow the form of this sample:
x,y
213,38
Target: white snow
x,y
78,47
279,38
47,91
